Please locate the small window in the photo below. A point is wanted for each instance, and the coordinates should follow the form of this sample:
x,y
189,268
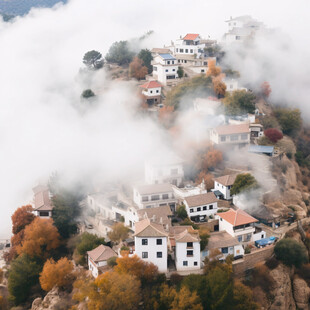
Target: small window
x,y
173,69
172,62
234,138
190,252
223,138
145,255
210,207
189,244
157,91
204,208
166,70
144,241
165,196
192,51
154,68
181,50
151,91
198,209
177,49
225,250
191,210
145,198
159,241
185,61
202,70
179,60
239,238
186,50
159,254
195,263
185,263
168,62
155,197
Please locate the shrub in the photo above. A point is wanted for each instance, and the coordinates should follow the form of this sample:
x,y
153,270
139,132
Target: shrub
x,y
273,134
187,222
112,261
290,252
244,181
181,212
289,119
87,93
272,263
261,277
247,250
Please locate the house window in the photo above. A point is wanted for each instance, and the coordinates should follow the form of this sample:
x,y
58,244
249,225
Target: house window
x,y
244,136
202,70
154,68
151,91
145,198
233,137
157,91
155,197
170,77
179,60
144,241
172,62
185,61
174,171
248,237
181,50
204,208
166,70
195,263
210,207
185,263
191,210
192,51
159,241
223,138
186,50
173,69
165,196
168,62
159,254
239,238
189,252
44,213
238,38
225,250
145,255
198,209
177,49
189,244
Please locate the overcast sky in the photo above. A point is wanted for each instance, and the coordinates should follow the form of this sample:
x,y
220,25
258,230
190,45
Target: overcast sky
x,y
41,129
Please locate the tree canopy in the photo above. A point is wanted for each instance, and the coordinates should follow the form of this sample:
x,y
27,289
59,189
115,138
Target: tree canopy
x,y
181,212
243,182
93,60
239,102
146,56
137,70
273,134
289,120
88,93
120,53
119,232
290,252
22,217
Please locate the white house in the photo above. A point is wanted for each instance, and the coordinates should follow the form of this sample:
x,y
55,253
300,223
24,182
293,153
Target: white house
x,y
200,207
154,195
224,184
238,135
151,92
257,131
97,259
187,249
165,68
238,224
165,169
225,244
189,190
43,206
151,243
232,84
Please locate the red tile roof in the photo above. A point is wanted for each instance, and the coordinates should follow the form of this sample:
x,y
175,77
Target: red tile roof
x,y
237,217
191,36
151,84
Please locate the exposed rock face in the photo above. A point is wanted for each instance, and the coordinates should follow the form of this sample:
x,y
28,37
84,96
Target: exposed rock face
x,y
283,296
301,292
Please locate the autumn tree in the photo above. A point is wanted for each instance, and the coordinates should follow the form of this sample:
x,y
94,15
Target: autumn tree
x,y
110,291
1,275
239,102
265,89
211,159
56,273
24,273
213,70
273,134
146,56
41,238
93,60
144,271
207,178
243,182
219,87
118,233
289,120
137,70
243,297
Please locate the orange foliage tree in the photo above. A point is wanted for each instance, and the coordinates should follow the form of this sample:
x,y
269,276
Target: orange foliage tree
x,y
213,69
219,86
56,273
41,237
144,271
109,291
211,159
137,70
266,89
207,178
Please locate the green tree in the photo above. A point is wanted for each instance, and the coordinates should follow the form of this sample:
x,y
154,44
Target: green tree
x,y
146,56
87,93
180,72
239,102
290,252
87,242
120,53
181,212
244,181
243,297
289,120
24,274
93,60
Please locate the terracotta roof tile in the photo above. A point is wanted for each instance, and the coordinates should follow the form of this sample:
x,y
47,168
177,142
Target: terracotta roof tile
x,y
221,239
202,199
226,180
146,228
191,36
101,253
159,215
42,199
237,217
151,84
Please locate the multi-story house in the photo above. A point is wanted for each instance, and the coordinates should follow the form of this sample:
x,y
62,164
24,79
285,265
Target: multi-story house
x,y
232,135
224,184
200,207
167,169
43,206
165,69
151,243
238,224
98,259
151,92
154,195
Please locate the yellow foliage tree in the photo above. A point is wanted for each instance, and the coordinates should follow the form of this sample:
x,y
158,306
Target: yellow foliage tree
x,y
41,237
213,70
56,273
219,86
243,297
119,232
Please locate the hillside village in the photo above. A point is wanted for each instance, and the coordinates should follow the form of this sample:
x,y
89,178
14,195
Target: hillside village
x,y
241,192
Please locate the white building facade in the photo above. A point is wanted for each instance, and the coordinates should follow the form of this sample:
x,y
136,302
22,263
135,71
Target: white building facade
x,y
224,185
165,69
